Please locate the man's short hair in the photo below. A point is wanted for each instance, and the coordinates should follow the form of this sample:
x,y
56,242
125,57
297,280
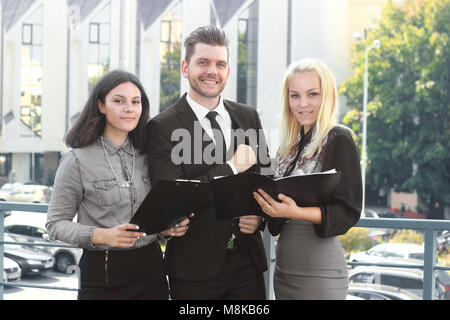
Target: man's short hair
x,y
207,34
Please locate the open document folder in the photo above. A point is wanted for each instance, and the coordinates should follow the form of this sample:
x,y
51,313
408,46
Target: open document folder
x,y
169,202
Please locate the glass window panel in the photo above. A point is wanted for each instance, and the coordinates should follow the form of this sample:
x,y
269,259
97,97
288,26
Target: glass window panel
x,y
25,111
170,39
37,34
36,101
242,26
104,33
165,31
104,55
25,74
27,33
248,55
25,99
93,54
164,51
36,90
25,55
94,32
37,56
36,75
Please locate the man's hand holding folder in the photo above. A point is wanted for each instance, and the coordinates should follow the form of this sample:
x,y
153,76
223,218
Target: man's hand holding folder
x,y
170,202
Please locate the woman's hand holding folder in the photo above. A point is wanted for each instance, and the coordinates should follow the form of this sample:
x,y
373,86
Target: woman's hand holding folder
x,y
286,207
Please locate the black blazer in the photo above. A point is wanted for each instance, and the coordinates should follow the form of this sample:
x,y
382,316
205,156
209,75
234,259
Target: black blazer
x,y
200,254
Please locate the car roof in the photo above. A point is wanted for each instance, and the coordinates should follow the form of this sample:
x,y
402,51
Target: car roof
x,y
34,219
410,247
381,289
414,273
33,187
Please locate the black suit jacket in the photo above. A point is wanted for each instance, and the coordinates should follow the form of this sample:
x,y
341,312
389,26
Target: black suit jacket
x,y
200,254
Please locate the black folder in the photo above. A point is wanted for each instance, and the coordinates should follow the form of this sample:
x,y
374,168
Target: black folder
x,y
171,201
233,195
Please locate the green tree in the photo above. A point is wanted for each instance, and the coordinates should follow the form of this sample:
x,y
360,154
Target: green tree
x,y
242,68
356,239
408,135
170,77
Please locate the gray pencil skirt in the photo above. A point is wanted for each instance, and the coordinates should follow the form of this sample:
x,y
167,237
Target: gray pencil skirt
x,y
292,287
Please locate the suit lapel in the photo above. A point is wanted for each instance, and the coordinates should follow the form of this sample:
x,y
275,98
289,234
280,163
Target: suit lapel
x,y
235,115
190,122
237,122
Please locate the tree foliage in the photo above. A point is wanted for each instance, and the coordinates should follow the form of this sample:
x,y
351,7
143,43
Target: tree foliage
x,y
170,77
355,240
408,135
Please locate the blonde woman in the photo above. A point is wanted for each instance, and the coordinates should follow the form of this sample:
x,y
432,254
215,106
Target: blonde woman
x,y
310,263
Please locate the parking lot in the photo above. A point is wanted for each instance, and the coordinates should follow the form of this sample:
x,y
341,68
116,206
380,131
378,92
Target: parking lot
x,y
49,278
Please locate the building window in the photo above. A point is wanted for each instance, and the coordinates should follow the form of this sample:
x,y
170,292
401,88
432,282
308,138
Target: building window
x,y
94,30
170,57
248,55
5,165
31,71
99,39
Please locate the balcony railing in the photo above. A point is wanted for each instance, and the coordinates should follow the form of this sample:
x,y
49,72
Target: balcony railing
x,y
430,228
30,207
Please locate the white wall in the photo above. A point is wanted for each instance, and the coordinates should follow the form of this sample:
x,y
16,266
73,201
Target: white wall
x,y
194,13
149,63
54,76
272,60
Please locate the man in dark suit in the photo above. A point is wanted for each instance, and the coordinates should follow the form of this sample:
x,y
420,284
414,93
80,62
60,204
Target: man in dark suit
x,y
216,259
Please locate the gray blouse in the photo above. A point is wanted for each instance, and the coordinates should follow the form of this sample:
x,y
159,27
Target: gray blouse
x,y
86,188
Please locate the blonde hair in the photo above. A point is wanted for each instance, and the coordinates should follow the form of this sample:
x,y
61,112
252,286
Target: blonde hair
x,y
290,127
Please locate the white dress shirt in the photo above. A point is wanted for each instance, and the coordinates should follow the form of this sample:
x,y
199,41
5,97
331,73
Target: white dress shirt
x,y
223,119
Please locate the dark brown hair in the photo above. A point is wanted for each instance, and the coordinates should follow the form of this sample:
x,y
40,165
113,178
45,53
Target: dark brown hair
x,y
207,34
91,122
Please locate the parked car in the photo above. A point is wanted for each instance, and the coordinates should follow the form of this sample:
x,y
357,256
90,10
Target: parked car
x,y
31,260
370,291
407,279
380,213
391,253
443,241
388,214
31,193
369,214
30,226
7,189
11,270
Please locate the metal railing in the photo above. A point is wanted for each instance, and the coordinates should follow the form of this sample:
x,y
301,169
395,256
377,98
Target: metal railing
x,y
430,228
30,207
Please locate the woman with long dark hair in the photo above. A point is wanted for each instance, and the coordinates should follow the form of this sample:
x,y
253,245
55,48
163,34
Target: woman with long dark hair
x,y
102,180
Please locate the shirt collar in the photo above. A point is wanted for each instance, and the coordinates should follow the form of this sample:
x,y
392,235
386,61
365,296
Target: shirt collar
x,y
201,111
113,148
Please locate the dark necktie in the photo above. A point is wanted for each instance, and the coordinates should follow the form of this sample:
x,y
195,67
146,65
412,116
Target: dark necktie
x,y
218,136
220,140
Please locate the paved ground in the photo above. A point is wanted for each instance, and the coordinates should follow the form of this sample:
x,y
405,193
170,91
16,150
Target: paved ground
x,y
50,278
